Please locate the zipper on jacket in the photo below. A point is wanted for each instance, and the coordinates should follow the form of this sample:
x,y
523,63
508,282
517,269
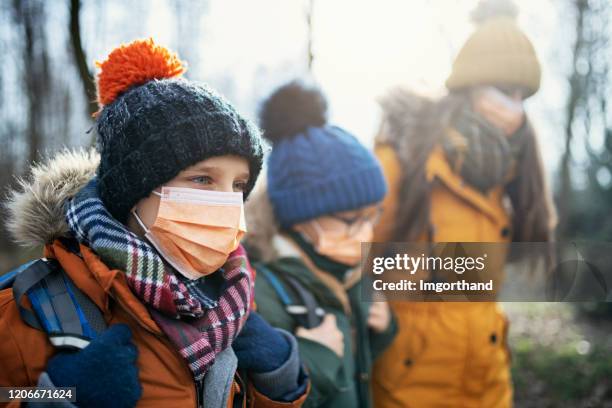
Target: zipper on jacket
x,y
199,385
241,397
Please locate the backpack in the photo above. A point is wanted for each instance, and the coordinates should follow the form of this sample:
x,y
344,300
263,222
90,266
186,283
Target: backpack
x,y
70,319
299,303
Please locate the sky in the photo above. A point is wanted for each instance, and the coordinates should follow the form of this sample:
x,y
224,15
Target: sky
x,y
362,49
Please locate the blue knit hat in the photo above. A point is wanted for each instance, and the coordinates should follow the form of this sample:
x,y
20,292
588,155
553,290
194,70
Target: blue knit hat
x,y
314,169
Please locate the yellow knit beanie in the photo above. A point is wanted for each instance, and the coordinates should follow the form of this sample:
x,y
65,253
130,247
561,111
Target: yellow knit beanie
x,y
497,53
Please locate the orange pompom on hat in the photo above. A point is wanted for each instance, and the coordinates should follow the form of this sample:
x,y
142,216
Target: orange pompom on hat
x,y
135,64
153,124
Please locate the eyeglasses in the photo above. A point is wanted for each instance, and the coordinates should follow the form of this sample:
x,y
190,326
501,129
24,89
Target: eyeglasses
x,y
356,222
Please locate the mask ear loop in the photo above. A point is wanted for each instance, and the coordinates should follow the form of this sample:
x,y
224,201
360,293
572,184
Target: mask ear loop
x,y
319,230
317,226
144,228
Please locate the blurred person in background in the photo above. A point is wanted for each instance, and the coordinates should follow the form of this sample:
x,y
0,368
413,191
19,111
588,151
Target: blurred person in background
x,y
147,229
321,200
463,168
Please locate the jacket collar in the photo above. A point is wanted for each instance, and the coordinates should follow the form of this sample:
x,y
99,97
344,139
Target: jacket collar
x,y
437,167
100,283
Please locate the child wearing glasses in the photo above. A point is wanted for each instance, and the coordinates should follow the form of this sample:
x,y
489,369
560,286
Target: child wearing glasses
x,y
320,203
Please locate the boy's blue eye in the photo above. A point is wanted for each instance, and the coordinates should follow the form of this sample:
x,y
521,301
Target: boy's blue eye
x,y
202,180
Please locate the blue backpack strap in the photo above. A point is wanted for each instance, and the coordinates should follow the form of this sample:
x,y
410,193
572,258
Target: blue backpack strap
x,y
6,280
59,308
276,284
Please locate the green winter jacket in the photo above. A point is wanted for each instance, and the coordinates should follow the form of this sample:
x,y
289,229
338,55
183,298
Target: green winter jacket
x,y
336,382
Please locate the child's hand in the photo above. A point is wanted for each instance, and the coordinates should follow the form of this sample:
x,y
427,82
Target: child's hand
x,y
260,347
327,334
379,317
104,373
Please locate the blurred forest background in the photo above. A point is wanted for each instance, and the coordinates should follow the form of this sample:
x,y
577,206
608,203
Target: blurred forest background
x,y
356,51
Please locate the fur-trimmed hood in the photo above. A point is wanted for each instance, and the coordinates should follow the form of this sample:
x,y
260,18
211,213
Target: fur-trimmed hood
x,y
261,224
404,118
402,110
264,240
35,208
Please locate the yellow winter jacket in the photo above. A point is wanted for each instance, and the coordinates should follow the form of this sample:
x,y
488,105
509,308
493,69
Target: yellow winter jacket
x,y
446,354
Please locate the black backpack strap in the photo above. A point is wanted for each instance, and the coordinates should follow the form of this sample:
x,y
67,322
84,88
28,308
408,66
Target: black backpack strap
x,y
24,281
313,314
305,311
59,308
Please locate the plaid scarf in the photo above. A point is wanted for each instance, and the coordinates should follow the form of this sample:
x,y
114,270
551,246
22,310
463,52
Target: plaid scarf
x,y
481,153
198,325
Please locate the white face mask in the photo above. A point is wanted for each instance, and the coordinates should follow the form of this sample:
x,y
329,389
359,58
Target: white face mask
x,y
196,230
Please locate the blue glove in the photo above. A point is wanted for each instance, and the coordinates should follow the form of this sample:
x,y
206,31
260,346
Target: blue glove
x,y
104,373
260,348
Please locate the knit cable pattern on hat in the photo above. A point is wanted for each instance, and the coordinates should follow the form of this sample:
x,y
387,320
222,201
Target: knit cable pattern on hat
x,y
322,171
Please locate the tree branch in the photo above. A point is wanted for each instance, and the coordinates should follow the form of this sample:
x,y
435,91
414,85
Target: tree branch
x,y
89,86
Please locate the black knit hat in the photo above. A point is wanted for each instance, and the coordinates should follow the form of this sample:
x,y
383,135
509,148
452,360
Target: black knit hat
x,y
159,127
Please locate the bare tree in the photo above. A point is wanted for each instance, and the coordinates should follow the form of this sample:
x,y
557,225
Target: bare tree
x,y
30,18
588,85
310,34
80,58
189,31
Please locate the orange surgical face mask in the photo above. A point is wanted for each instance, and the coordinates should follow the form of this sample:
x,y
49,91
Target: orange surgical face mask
x,y
196,230
337,240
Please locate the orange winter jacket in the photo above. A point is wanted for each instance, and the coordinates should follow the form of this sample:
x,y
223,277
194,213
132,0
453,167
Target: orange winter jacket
x,y
164,375
446,354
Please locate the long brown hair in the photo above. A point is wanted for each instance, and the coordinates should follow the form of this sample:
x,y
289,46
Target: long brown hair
x,y
533,215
